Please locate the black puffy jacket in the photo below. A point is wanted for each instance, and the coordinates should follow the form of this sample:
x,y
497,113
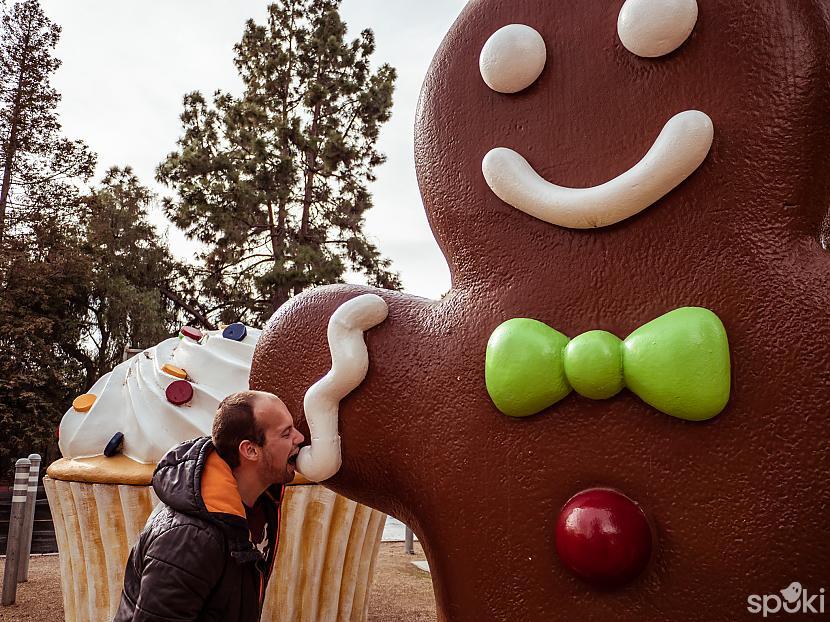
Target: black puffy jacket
x,y
195,559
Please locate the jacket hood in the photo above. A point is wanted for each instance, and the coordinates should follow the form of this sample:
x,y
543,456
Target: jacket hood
x,y
193,479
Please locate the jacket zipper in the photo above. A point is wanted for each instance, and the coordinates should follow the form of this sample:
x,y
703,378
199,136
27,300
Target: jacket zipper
x,y
261,588
278,503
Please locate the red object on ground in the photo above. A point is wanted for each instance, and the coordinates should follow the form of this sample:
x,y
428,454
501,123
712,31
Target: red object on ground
x,y
603,537
179,392
193,333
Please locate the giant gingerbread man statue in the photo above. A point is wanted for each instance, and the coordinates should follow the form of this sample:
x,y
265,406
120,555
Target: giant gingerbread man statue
x,y
594,166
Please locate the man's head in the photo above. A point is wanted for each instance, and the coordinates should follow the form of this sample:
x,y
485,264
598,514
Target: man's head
x,y
254,431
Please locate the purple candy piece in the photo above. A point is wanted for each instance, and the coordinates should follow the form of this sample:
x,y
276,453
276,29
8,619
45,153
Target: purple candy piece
x,y
179,392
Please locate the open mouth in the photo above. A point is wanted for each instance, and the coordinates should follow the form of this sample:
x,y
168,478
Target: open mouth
x,y
292,459
679,149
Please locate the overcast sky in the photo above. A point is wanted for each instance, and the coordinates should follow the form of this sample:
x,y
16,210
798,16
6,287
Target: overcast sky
x,y
126,66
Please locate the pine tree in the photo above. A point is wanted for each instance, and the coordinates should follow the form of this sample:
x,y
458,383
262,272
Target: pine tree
x,y
274,183
34,157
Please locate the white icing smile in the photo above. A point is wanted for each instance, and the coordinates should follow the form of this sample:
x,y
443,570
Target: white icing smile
x,y
679,149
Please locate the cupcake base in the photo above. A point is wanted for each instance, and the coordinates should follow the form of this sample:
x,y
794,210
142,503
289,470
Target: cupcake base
x,y
95,525
326,557
324,567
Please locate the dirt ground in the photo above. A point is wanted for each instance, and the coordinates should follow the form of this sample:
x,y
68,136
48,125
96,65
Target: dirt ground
x,y
400,590
40,597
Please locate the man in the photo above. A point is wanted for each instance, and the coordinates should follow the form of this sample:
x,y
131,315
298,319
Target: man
x,y
208,552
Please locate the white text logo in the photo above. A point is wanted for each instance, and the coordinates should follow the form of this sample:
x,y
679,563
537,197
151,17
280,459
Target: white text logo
x,y
793,599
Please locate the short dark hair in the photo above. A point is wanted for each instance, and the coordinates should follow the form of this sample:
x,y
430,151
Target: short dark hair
x,y
233,423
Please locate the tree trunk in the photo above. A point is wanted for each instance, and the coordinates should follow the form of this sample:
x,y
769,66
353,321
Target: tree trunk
x,y
102,363
4,190
311,161
278,232
189,308
11,143
86,362
280,294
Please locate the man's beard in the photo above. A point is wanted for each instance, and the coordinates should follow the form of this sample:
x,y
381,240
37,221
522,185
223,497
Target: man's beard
x,y
274,473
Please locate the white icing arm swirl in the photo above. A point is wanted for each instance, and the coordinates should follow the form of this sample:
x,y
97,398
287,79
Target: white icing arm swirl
x,y
349,364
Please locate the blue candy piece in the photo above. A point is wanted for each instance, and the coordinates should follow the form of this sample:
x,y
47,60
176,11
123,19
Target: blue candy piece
x,y
235,331
114,446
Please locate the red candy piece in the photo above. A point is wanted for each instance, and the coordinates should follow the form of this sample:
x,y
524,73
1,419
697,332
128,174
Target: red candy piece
x,y
193,333
179,392
603,537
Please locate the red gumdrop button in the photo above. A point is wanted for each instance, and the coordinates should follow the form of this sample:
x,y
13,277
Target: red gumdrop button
x,y
603,537
179,392
192,333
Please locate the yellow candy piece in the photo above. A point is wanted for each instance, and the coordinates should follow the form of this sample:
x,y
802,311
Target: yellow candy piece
x,y
84,402
178,372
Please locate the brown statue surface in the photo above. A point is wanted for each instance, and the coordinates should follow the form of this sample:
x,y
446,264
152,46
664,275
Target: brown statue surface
x,y
740,504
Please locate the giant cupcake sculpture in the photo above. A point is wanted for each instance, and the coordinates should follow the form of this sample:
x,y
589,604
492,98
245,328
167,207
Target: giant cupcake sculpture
x,y
113,436
619,410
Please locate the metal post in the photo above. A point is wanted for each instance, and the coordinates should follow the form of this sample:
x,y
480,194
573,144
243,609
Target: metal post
x,y
29,522
129,352
409,541
21,480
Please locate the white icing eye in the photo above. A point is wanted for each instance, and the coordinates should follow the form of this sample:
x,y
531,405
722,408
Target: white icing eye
x,y
652,28
512,58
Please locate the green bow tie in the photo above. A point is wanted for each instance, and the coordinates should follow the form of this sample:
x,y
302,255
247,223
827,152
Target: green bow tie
x,y
678,363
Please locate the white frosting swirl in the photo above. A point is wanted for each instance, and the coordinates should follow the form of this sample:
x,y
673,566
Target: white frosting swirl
x,y
131,398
